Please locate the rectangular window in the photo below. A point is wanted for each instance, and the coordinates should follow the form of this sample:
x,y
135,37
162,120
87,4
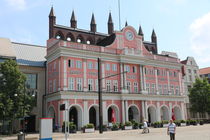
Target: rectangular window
x,y
54,68
71,63
175,74
108,85
54,85
189,70
195,72
115,86
78,64
190,77
165,89
153,89
177,90
71,83
96,84
127,68
31,81
50,86
134,69
158,72
79,84
160,89
135,86
172,89
90,65
114,67
128,86
90,84
96,65
148,87
108,67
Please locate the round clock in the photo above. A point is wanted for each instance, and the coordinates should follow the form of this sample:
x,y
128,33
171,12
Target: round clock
x,y
129,35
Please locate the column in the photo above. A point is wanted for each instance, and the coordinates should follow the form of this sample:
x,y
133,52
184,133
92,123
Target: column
x,y
105,119
182,110
170,110
144,79
146,110
64,75
143,109
59,71
123,111
126,110
168,82
85,74
141,78
158,111
86,115
156,82
180,84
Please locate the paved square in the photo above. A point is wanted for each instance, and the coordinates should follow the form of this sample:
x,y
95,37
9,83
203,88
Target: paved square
x,y
183,133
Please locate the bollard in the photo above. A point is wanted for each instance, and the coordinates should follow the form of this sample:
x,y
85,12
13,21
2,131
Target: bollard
x,y
21,136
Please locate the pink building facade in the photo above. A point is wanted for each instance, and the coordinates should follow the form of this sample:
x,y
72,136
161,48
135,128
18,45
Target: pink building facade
x,y
150,89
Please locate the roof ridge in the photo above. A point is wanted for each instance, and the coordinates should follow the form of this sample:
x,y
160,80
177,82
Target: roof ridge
x,y
29,44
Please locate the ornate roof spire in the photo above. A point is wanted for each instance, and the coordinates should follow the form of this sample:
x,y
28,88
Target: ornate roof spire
x,y
52,13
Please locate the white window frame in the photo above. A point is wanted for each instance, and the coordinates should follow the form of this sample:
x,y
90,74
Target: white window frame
x,y
107,66
172,89
79,84
90,65
108,85
148,87
115,86
135,87
128,85
79,64
90,84
71,83
127,68
177,90
96,84
153,87
54,85
71,63
165,91
114,67
160,89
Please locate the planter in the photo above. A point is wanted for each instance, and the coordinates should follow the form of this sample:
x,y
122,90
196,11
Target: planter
x,y
89,130
128,127
165,125
183,124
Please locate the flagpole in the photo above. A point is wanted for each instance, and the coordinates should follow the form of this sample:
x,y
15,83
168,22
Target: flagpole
x,y
119,15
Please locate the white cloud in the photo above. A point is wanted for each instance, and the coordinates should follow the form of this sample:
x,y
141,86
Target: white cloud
x,y
17,4
200,39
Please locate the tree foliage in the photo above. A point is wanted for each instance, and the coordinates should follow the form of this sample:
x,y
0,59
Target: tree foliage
x,y
200,96
13,98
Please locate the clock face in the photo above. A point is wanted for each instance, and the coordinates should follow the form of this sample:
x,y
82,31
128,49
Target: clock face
x,y
129,35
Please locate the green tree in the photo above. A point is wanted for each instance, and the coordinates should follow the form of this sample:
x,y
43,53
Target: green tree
x,y
200,96
14,102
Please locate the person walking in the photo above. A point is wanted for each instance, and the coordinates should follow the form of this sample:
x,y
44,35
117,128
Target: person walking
x,y
145,127
171,130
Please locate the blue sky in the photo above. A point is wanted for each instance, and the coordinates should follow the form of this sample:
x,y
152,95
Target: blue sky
x,y
182,26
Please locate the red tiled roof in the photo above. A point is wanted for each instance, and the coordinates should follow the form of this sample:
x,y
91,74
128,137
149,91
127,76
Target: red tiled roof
x,y
184,62
204,70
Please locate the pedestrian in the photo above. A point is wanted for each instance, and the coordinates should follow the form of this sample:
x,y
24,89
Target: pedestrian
x,y
171,130
145,127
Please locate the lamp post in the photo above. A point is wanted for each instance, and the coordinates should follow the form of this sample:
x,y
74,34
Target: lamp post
x,y
100,94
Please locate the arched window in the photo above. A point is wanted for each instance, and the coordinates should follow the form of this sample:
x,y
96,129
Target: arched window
x,y
59,35
70,37
80,39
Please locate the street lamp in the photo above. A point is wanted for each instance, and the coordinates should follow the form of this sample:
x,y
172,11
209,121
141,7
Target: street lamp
x,y
100,94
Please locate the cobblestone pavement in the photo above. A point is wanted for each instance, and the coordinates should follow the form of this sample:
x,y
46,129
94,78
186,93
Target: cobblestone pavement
x,y
183,133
